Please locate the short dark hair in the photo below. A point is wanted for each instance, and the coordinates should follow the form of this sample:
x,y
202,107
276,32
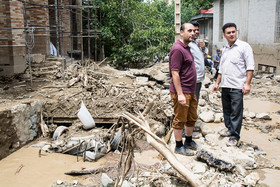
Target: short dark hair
x,y
195,23
182,28
227,25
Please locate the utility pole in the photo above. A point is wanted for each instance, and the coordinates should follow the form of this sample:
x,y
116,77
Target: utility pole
x,y
177,19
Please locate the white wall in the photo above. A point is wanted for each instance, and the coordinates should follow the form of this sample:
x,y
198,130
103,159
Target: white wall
x,y
262,21
256,17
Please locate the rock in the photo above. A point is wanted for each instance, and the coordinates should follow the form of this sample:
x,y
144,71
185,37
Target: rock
x,y
75,182
260,152
207,117
16,145
277,78
219,117
248,162
141,80
46,148
264,130
215,160
204,95
213,139
240,170
125,184
199,123
267,76
106,180
166,167
201,102
258,77
248,115
166,85
166,59
199,168
205,129
264,116
268,83
59,182
278,137
157,127
252,179
251,115
237,185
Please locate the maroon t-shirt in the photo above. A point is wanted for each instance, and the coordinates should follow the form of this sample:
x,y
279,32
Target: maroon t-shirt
x,y
181,59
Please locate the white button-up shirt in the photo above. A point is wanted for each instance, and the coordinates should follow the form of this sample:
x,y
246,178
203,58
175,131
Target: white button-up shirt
x,y
234,63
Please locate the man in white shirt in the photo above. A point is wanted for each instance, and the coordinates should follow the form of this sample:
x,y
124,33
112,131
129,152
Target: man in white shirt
x,y
235,75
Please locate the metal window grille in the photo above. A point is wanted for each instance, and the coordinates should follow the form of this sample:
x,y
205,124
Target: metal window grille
x,y
277,25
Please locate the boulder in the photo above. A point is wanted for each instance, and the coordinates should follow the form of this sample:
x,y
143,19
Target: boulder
x,y
207,117
264,116
219,117
252,179
205,129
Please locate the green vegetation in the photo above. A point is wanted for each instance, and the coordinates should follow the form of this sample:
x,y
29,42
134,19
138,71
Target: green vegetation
x,y
134,32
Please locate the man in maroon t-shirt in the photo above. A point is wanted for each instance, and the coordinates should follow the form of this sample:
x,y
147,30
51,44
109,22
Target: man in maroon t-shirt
x,y
182,90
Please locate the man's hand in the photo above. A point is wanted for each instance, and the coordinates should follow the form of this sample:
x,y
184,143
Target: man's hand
x,y
182,100
215,88
246,89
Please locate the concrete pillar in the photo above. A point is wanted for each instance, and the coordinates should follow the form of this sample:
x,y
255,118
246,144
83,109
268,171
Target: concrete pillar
x,y
177,19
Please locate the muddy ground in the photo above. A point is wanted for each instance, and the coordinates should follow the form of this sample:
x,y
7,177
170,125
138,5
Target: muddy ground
x,y
107,93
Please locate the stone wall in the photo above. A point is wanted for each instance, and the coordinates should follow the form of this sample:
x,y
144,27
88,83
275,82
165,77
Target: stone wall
x,y
19,124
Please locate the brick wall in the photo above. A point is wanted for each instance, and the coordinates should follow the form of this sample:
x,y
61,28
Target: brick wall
x,y
12,47
39,16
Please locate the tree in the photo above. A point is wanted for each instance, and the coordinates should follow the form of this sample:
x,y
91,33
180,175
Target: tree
x,y
134,31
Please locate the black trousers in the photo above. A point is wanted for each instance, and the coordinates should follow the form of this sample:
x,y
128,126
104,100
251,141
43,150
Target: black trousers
x,y
232,100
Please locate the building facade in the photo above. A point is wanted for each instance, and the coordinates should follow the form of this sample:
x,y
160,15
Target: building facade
x,y
258,23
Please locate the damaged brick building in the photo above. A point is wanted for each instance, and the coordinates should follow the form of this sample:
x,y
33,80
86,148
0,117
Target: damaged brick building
x,y
32,26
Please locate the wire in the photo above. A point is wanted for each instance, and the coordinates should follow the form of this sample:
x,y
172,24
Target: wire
x,y
29,37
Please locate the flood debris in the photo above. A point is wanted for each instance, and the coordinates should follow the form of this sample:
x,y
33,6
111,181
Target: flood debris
x,y
134,106
19,169
44,127
161,147
87,171
58,131
85,117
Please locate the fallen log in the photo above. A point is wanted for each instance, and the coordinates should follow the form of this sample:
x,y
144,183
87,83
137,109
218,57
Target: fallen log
x,y
87,171
163,149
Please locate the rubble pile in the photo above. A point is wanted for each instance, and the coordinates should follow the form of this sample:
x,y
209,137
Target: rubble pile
x,y
108,93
